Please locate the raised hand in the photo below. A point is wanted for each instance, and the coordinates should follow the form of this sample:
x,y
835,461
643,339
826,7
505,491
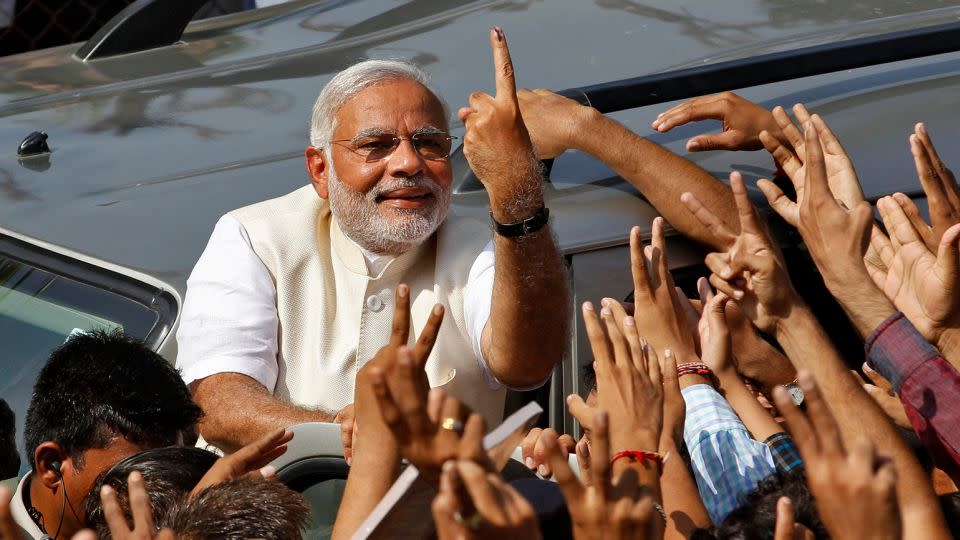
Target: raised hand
x,y
498,510
251,459
424,441
792,158
658,313
628,382
743,121
8,527
606,506
854,489
532,449
749,269
497,145
921,284
940,186
143,527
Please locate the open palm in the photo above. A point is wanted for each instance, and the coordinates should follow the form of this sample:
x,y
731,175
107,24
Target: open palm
x,y
920,284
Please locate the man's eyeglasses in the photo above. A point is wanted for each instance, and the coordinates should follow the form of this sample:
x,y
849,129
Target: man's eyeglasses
x,y
431,146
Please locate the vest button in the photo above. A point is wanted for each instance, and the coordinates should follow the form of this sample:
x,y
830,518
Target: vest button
x,y
374,303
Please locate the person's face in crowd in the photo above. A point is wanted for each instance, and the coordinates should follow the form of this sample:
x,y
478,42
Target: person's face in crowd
x,y
78,476
389,201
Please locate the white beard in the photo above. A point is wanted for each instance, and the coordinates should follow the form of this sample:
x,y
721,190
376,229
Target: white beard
x,y
362,219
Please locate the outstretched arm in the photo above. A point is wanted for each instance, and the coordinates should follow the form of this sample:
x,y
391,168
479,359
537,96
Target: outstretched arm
x,y
529,313
557,124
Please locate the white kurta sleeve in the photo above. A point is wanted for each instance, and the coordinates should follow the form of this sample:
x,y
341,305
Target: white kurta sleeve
x,y
229,321
478,296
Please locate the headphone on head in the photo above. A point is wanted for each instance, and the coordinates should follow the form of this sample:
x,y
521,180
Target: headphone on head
x,y
56,469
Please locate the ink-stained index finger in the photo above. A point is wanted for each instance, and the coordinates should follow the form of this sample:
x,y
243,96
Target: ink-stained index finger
x,y
503,66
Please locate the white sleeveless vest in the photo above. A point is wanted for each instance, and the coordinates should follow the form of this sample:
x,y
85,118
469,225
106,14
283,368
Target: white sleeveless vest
x,y
334,316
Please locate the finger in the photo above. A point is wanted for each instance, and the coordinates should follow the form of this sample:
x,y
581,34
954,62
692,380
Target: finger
x,y
482,493
583,460
882,246
539,451
452,410
704,290
621,350
671,379
876,378
708,219
637,355
780,203
400,330
567,443
139,503
691,111
800,429
565,477
822,421
599,344
653,365
600,455
638,267
948,252
464,113
581,411
119,528
783,156
658,241
725,287
802,115
862,456
527,447
831,144
503,66
428,336
728,140
389,411
789,129
435,399
471,442
916,219
945,175
927,173
446,504
817,191
409,393
346,439
896,222
785,520
749,220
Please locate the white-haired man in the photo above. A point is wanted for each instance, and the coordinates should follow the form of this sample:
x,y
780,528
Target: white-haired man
x,y
294,295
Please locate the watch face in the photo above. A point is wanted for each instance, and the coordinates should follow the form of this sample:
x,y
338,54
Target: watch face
x,y
796,394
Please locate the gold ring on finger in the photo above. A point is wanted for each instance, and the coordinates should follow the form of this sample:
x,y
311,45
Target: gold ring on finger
x,y
452,424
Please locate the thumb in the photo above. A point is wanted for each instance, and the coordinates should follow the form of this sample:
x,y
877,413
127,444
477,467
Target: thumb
x,y
785,520
780,203
948,252
728,140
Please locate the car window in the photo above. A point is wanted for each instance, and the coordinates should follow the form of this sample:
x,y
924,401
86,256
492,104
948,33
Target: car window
x,y
324,500
38,311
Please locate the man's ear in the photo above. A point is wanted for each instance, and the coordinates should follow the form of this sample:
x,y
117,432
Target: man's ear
x,y
317,168
49,459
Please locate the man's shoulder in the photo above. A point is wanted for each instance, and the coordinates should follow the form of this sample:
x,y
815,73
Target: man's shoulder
x,y
298,204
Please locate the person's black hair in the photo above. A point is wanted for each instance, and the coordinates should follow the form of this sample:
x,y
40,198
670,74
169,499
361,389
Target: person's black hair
x,y
101,384
244,507
756,517
589,376
950,505
169,474
9,459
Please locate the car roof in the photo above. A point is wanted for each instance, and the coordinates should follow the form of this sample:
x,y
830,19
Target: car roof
x,y
150,149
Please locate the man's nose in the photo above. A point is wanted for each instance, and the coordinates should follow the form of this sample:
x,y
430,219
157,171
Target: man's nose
x,y
405,160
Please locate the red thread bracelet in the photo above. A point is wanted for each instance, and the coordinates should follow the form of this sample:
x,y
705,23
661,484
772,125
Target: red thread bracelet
x,y
695,368
638,455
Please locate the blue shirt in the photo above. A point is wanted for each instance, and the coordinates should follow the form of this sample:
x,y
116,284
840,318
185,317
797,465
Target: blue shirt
x,y
727,463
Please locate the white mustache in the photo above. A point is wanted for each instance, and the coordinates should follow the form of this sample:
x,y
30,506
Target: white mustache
x,y
386,186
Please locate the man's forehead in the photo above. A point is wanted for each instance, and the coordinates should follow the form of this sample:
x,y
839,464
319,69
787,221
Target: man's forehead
x,y
398,105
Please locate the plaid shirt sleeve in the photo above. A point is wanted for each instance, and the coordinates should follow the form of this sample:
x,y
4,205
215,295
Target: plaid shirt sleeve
x,y
927,384
784,450
727,463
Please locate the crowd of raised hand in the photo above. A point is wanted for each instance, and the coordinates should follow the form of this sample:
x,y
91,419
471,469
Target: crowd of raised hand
x,y
727,414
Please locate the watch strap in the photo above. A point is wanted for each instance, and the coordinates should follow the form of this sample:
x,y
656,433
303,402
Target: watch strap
x,y
524,227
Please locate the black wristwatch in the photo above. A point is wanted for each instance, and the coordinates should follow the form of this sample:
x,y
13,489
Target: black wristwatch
x,y
522,228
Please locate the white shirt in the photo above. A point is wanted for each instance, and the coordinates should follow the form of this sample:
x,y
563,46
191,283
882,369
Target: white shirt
x,y
229,321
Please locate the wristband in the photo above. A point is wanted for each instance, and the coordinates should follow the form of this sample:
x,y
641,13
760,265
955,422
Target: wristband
x,y
638,455
694,368
524,227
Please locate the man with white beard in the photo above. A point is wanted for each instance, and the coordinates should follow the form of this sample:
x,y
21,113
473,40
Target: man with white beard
x,y
292,296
